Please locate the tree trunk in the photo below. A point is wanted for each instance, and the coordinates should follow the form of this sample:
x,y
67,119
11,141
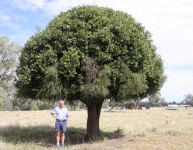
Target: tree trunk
x,y
93,129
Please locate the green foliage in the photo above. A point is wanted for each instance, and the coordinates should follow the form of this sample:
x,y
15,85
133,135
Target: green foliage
x,y
34,106
1,98
90,53
42,105
9,53
29,104
22,104
8,57
156,100
51,87
97,87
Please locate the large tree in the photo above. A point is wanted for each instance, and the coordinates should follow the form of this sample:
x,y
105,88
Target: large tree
x,y
9,53
90,54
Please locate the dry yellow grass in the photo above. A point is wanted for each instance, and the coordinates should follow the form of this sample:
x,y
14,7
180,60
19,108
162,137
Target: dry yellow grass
x,y
154,129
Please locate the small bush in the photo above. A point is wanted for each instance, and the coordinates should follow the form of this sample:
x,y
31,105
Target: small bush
x,y
34,106
29,104
42,105
22,104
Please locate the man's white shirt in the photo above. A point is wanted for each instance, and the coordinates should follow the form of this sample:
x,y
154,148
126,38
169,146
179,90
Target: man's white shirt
x,y
61,113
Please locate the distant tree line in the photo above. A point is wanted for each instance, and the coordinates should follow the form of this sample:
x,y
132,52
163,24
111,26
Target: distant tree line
x,y
188,100
153,101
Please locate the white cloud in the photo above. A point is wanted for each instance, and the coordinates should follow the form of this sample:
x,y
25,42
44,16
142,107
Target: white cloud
x,y
7,21
169,21
28,4
54,7
4,18
18,33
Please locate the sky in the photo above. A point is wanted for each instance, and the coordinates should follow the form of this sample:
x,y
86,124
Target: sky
x,y
169,21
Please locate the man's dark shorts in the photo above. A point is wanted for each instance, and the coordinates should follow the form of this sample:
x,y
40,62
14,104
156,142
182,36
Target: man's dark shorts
x,y
60,125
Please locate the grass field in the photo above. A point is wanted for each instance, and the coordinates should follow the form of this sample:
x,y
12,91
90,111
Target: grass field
x,y
153,129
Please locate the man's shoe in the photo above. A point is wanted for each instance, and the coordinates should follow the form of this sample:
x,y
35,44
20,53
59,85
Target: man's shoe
x,y
62,145
57,145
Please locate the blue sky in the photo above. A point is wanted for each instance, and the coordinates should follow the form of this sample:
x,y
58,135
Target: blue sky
x,y
169,21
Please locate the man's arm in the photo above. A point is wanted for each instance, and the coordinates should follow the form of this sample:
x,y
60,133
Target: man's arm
x,y
67,115
53,113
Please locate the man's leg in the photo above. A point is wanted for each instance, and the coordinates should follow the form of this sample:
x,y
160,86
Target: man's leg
x,y
57,138
62,137
62,134
57,128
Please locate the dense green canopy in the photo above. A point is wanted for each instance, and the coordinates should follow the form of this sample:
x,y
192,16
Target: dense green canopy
x,y
90,53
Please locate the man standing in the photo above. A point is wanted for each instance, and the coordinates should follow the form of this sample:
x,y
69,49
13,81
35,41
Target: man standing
x,y
61,114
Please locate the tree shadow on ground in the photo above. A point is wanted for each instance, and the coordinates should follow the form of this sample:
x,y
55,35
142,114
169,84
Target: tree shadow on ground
x,y
45,135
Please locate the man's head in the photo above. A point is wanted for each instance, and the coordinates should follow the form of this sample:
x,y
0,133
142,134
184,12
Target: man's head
x,y
61,103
